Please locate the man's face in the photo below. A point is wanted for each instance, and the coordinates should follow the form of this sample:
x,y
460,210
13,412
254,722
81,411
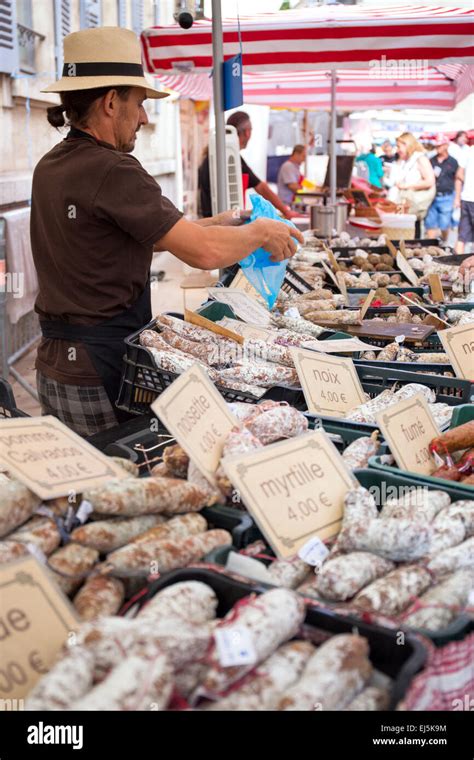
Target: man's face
x,y
441,150
387,148
300,157
131,115
462,139
244,136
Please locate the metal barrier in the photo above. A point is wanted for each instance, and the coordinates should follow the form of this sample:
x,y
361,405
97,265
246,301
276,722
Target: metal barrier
x,y
15,339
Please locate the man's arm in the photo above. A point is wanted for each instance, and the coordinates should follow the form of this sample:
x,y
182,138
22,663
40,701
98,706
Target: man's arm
x,y
458,183
293,186
216,247
264,190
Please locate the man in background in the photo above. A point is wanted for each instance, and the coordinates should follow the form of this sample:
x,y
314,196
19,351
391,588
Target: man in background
x,y
459,147
241,121
289,175
465,200
388,156
445,168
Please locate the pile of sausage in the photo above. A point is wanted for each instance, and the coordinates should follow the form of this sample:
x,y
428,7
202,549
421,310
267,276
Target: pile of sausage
x,y
138,527
251,367
171,657
412,562
369,411
259,425
396,352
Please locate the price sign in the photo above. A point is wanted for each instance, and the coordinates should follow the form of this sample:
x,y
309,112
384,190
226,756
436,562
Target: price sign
x,y
294,489
197,415
35,621
51,459
409,428
330,384
458,343
406,268
242,305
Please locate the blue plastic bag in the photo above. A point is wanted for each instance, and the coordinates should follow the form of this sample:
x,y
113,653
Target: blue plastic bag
x,y
265,275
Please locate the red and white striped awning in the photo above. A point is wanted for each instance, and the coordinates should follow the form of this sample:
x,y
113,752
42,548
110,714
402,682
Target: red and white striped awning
x,y
438,88
319,38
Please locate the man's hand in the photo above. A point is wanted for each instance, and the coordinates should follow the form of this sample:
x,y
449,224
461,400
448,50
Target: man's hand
x,y
467,266
457,203
279,240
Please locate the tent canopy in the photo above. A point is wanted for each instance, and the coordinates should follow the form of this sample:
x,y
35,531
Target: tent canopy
x,y
438,88
319,38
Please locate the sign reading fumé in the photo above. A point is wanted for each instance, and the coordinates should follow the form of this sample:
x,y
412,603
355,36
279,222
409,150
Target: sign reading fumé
x,y
458,343
409,428
35,621
51,459
294,489
330,384
197,415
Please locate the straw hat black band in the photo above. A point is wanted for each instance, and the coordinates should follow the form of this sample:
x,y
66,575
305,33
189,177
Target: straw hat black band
x,y
101,69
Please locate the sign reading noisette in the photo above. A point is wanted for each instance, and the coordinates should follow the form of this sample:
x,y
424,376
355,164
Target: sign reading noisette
x,y
35,621
409,428
330,384
294,489
51,459
458,343
197,415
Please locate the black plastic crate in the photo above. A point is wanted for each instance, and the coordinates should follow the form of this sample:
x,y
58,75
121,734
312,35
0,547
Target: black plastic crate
x,y
420,368
448,390
142,381
8,407
400,663
420,243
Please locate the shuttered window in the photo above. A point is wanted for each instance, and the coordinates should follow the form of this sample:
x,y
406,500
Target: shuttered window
x,y
8,37
90,13
62,27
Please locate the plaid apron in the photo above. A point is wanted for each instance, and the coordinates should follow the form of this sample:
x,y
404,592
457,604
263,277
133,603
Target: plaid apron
x,y
84,409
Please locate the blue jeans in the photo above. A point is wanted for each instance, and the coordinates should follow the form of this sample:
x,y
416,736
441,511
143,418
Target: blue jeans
x,y
439,213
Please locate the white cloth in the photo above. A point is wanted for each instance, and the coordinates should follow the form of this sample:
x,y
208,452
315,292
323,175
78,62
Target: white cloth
x,y
407,172
21,278
467,164
288,174
458,152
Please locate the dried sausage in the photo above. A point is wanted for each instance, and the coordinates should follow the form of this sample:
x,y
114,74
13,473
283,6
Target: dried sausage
x,y
100,595
17,504
132,496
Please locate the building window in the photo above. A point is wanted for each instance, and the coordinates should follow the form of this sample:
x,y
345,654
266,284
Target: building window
x,y
27,37
90,13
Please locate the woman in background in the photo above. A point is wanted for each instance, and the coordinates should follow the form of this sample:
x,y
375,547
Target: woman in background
x,y
412,178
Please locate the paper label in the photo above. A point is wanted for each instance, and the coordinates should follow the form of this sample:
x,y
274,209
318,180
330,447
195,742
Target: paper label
x,y
437,292
85,509
196,414
52,460
35,621
243,305
406,268
251,332
248,567
235,646
366,305
331,385
409,428
314,552
339,346
240,282
458,342
294,489
292,313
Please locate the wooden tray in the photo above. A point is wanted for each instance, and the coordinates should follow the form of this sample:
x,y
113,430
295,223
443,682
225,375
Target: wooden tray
x,y
369,329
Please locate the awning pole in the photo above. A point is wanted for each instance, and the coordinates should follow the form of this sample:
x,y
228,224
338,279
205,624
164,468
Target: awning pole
x,y
332,148
218,93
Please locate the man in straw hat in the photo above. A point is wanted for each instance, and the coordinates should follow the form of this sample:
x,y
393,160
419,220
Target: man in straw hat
x,y
96,218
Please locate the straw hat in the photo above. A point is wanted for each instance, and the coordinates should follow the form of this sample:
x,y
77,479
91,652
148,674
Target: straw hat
x,y
102,57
